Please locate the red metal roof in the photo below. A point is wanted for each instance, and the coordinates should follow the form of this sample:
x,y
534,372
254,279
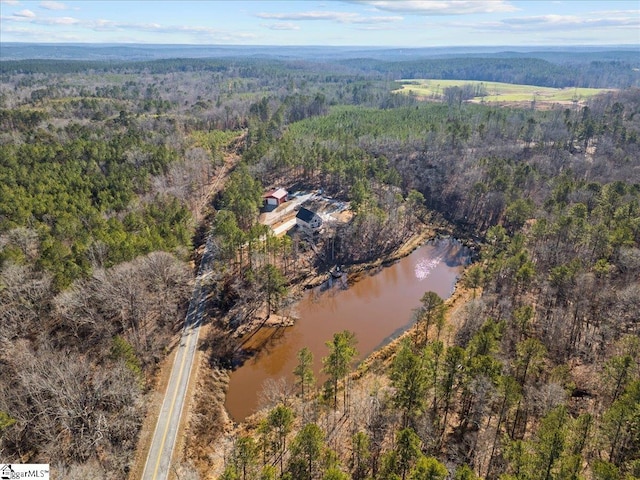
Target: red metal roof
x,y
279,193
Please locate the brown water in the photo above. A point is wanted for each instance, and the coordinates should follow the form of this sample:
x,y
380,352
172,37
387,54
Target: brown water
x,y
377,308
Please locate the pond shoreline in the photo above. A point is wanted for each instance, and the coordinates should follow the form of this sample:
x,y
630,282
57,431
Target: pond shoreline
x,y
354,273
377,304
215,401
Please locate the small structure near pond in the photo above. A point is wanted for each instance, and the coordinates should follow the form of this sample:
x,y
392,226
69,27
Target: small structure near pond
x,y
337,271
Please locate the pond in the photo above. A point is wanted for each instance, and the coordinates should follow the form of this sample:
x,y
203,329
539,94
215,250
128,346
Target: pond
x,y
377,308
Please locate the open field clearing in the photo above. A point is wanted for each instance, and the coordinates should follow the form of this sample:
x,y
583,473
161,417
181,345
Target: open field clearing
x,y
497,91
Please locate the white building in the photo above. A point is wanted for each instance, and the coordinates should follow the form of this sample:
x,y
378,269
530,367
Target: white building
x,y
308,219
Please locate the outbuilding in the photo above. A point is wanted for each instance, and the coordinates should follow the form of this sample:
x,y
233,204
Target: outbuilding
x,y
275,197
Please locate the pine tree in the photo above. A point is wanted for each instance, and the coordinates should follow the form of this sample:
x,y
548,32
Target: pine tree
x,y
431,312
341,353
360,455
306,451
428,468
407,449
409,378
304,371
280,421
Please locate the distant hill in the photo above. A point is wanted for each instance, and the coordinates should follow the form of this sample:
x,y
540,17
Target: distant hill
x,y
559,67
88,51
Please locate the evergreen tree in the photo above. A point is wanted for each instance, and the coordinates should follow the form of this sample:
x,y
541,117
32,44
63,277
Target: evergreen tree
x,y
273,286
431,312
304,371
306,452
428,468
407,449
549,443
336,365
621,426
279,422
360,455
409,378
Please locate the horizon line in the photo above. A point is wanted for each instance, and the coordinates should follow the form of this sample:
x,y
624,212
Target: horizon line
x,y
242,45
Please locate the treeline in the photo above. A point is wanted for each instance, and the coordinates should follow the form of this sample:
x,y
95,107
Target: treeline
x,y
75,365
34,66
574,72
526,71
241,67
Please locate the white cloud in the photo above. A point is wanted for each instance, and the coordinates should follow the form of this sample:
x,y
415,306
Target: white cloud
x,y
376,28
18,31
549,22
340,17
201,33
10,2
62,21
373,20
281,26
40,36
600,13
440,7
29,17
333,16
24,14
49,5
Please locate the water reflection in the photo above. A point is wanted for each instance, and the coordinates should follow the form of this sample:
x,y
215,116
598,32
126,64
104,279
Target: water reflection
x,y
377,308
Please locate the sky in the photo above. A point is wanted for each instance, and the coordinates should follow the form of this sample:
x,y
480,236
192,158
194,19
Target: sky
x,y
399,23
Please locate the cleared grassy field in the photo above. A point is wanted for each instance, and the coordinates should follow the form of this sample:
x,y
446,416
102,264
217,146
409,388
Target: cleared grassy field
x,y
498,92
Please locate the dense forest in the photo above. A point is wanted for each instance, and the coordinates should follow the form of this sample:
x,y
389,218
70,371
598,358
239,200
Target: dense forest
x,y
596,70
542,381
107,171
